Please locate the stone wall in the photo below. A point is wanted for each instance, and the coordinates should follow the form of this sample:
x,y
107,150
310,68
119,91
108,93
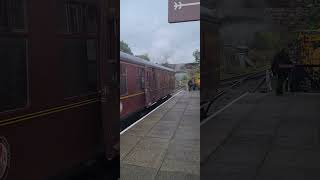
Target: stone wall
x,y
292,18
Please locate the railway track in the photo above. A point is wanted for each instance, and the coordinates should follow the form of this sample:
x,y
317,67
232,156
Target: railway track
x,y
231,89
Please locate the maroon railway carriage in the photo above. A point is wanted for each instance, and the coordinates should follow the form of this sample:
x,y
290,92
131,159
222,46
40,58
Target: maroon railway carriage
x,y
142,83
57,85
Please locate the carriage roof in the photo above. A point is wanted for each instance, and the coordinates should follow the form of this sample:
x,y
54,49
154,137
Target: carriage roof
x,y
136,60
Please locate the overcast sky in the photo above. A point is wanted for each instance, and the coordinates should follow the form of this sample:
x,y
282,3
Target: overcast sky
x,y
145,27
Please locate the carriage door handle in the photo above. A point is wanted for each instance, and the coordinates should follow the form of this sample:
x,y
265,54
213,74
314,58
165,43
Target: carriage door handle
x,y
103,92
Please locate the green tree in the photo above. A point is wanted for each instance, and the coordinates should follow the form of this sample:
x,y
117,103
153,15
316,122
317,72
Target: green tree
x,y
266,40
144,56
196,55
124,47
185,78
313,18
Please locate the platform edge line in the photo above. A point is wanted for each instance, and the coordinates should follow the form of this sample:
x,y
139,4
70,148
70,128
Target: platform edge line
x,y
148,114
224,108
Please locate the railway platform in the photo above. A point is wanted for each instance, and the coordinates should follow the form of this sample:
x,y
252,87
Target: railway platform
x,y
263,137
166,143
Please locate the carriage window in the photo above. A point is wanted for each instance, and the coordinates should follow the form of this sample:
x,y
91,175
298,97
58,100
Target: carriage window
x,y
164,79
148,78
167,79
154,79
80,66
140,78
92,64
78,17
161,79
158,80
13,74
123,79
91,18
11,15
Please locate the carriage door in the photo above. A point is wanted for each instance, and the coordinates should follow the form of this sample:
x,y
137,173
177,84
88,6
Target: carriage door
x,y
148,86
109,84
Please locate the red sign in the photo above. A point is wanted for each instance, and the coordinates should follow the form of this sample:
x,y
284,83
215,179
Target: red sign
x,y
183,10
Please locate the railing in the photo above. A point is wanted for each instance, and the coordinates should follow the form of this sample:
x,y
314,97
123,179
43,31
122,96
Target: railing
x,y
300,73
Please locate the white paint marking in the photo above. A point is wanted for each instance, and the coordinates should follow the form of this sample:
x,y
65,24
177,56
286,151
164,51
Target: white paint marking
x,y
179,5
218,112
310,93
148,114
268,80
153,104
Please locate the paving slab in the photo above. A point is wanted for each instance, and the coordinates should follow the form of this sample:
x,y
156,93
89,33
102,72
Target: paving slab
x,y
181,166
224,171
165,144
151,158
131,172
167,175
263,137
129,142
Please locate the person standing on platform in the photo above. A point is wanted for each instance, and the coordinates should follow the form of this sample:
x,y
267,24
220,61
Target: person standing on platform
x,y
279,69
193,84
190,85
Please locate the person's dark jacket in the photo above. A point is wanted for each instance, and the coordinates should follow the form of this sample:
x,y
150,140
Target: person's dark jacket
x,y
280,58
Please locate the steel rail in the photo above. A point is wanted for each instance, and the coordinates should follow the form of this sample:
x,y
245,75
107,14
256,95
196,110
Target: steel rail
x,y
205,106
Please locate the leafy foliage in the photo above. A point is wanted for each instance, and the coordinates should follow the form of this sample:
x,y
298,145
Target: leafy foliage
x,y
267,40
196,55
124,47
314,19
144,56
